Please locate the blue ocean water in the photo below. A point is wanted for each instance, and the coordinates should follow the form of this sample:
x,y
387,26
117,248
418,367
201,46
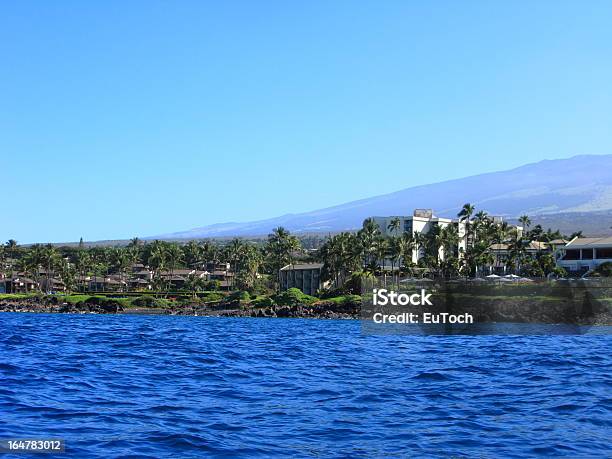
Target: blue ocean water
x,y
167,386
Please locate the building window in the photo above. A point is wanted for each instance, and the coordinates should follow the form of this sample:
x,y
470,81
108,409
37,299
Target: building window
x,y
587,254
572,254
604,253
408,226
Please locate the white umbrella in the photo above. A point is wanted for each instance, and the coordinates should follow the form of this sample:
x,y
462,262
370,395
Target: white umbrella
x,y
511,276
492,276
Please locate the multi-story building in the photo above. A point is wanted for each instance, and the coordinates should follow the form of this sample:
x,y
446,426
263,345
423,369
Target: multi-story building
x,y
304,276
422,221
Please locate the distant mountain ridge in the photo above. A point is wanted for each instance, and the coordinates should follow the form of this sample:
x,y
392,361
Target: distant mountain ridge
x,y
581,184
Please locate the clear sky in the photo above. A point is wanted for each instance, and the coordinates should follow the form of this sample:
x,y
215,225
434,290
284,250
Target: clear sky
x,y
124,118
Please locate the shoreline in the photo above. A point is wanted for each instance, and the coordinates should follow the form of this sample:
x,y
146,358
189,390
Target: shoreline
x,y
317,311
320,312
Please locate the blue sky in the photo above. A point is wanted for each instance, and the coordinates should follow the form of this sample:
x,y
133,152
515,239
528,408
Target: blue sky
x,y
140,118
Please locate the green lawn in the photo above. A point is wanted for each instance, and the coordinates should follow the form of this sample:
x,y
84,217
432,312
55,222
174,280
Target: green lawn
x,y
9,296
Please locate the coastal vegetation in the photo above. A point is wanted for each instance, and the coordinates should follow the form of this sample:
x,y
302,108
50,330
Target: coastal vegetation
x,y
246,272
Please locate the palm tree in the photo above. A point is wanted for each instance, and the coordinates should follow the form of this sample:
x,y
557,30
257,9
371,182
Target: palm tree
x,y
50,257
12,248
249,262
157,259
193,254
368,234
82,262
448,239
234,253
408,245
174,257
210,253
465,214
67,275
279,250
195,284
341,255
120,260
394,225
516,250
381,249
32,261
525,221
395,255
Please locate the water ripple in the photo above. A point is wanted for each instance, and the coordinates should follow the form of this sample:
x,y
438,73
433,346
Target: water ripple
x,y
142,386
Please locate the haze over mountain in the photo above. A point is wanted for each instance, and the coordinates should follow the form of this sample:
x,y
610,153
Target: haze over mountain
x,y
580,185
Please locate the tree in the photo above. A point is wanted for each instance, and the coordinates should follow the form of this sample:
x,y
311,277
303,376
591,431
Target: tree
x,y
31,262
248,263
448,240
82,263
195,284
157,259
577,234
174,257
193,253
233,253
67,275
466,212
408,245
368,234
525,221
279,250
604,269
381,250
395,255
394,225
50,260
120,262
341,255
11,248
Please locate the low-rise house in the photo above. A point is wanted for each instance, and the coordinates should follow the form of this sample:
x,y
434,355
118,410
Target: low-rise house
x,y
142,274
106,284
582,255
139,284
304,276
52,284
136,267
501,253
177,279
19,284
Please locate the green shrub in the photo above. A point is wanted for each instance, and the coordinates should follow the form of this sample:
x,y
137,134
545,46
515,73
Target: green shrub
x,y
239,295
604,269
263,302
148,301
345,299
212,285
293,297
211,296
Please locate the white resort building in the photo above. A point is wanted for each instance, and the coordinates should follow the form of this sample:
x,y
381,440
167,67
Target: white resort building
x,y
585,254
421,222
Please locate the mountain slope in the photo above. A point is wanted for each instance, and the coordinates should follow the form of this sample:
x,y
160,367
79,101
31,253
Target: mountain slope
x,y
580,184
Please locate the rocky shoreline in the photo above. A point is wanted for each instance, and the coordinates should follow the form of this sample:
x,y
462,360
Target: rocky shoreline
x,y
484,310
322,310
